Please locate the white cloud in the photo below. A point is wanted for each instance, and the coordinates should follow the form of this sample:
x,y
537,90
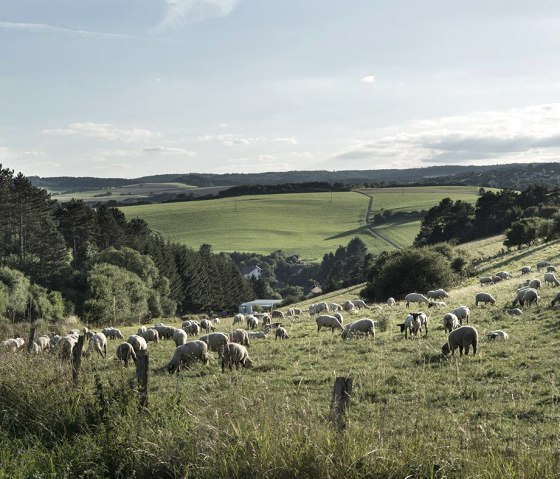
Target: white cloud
x,y
515,135
44,28
9,154
103,131
229,139
163,150
180,13
290,140
368,79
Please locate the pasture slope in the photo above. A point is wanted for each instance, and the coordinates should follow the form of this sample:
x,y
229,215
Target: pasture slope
x,y
308,224
413,413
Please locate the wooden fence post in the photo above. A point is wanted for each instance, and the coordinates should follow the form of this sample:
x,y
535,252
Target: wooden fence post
x,y
31,339
340,403
142,368
76,359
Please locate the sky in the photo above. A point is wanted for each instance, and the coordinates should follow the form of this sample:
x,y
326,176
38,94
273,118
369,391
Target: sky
x,y
127,88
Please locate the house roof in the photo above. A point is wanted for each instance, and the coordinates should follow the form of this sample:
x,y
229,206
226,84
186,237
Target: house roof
x,y
262,302
249,269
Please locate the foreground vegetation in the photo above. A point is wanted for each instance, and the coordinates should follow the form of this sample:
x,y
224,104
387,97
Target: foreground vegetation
x,y
413,413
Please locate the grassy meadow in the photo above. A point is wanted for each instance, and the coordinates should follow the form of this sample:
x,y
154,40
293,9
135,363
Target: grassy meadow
x,y
413,413
308,224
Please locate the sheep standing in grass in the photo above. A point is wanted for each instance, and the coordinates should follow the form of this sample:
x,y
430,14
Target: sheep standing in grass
x,y
238,318
359,304
112,333
150,335
206,325
179,337
126,353
10,345
138,343
415,298
535,283
504,275
496,279
66,346
498,334
462,312
279,314
43,342
239,336
165,332
348,305
556,299
281,333
450,322
437,294
549,278
34,349
318,308
462,338
191,351
141,329
514,312
98,343
326,321
334,307
235,355
529,298
365,326
484,298
191,327
525,270
437,304
391,302
414,323
252,322
486,280
542,264
550,269
258,334
216,342
339,317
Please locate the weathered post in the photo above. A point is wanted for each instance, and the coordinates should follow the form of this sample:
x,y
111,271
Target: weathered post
x,y
340,401
31,339
142,367
76,359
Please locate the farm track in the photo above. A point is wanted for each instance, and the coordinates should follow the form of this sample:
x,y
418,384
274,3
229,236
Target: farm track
x,y
376,234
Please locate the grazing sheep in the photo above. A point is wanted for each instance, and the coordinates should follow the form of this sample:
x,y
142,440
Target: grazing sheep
x,y
165,332
43,342
450,322
298,311
206,325
462,312
556,299
334,307
496,279
21,342
514,312
549,278
415,298
437,304
265,318
484,298
138,343
66,346
278,314
391,302
535,283
366,326
291,312
150,335
35,348
339,317
550,269
326,321
216,342
216,320
529,298
504,275
257,334
281,333
486,280
125,353
542,264
179,337
235,355
98,343
525,270
462,338
112,333
238,318
252,322
519,295
141,329
10,345
239,336
348,305
414,323
359,304
193,350
498,334
191,327
437,294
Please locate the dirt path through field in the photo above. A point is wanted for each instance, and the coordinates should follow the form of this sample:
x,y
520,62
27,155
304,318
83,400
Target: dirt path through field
x,y
375,233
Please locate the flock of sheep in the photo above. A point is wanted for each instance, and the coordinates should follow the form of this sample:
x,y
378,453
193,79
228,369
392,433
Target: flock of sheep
x,y
232,348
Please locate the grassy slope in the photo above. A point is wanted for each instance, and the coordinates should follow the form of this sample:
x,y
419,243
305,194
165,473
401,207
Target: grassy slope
x,y
306,224
493,415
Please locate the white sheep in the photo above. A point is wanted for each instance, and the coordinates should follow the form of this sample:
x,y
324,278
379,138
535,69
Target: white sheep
x,y
258,334
437,294
43,342
339,317
496,279
529,298
216,342
150,335
125,353
550,269
549,278
165,332
519,295
437,304
414,323
206,325
184,354
141,329
98,343
252,322
462,312
486,280
179,337
235,355
326,321
191,327
391,302
498,334
239,336
542,264
66,346
462,338
34,349
334,307
525,270
281,333
278,314
359,304
514,312
504,275
138,343
112,333
484,298
535,283
450,322
10,345
348,305
366,326
238,318
415,298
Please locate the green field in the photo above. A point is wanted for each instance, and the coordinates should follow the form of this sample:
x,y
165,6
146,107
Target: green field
x,y
309,224
413,413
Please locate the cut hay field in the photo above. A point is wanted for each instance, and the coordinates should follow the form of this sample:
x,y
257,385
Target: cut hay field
x,y
308,224
413,413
